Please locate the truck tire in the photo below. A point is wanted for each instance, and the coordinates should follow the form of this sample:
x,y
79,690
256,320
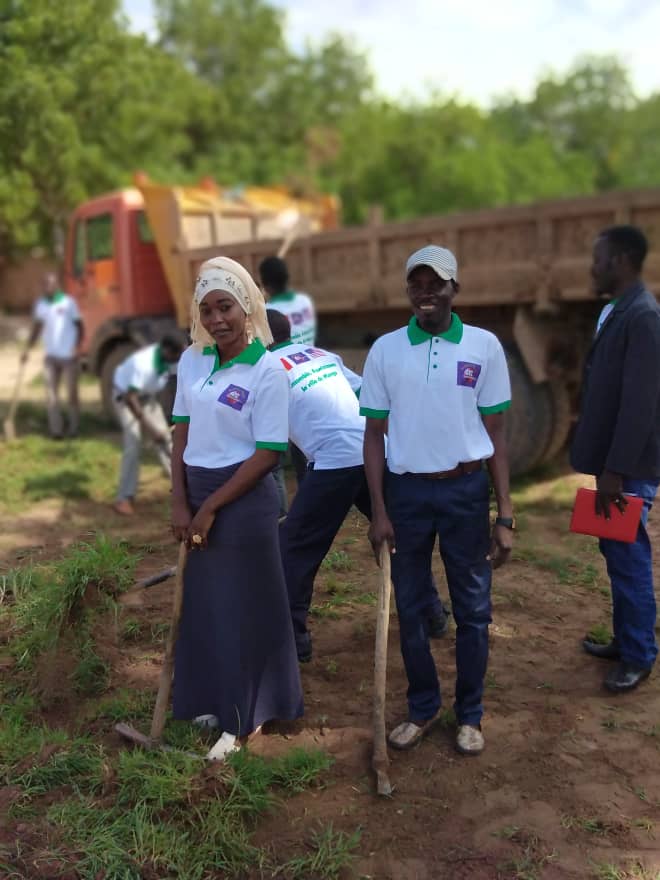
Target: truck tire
x,y
530,420
561,420
111,361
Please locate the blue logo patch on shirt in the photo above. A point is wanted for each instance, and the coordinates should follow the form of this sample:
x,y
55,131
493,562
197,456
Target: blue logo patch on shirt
x,y
234,396
298,357
467,373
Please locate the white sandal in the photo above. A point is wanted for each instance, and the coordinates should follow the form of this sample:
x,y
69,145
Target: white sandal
x,y
227,744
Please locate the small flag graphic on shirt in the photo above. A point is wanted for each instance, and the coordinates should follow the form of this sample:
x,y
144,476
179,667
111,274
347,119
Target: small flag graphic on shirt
x,y
286,364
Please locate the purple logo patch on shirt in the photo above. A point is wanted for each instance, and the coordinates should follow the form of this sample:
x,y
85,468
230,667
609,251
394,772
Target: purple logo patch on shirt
x,y
234,396
298,357
467,374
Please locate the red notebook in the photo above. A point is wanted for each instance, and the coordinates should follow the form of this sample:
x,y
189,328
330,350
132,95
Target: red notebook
x,y
619,527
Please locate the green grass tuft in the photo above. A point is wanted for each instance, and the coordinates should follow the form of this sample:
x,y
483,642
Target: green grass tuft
x,y
331,852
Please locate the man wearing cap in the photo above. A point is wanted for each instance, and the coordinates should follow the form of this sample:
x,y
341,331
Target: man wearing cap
x,y
442,387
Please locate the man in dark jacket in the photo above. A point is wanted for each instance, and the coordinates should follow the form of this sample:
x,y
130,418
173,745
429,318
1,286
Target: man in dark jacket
x,y
617,439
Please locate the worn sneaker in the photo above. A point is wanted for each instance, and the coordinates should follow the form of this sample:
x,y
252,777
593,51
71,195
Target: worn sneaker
x,y
223,747
469,740
209,722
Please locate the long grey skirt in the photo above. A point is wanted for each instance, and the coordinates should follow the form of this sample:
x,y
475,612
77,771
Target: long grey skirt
x,y
235,654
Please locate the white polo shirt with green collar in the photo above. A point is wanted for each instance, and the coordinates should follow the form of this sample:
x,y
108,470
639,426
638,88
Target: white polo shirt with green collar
x,y
434,391
144,371
232,408
299,309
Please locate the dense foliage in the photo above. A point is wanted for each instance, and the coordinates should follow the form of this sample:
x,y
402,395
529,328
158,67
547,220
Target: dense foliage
x,y
84,102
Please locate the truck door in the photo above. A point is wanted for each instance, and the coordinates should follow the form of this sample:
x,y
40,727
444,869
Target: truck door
x,y
94,275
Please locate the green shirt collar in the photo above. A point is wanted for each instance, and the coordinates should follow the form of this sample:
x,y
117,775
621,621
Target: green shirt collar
x,y
250,355
280,345
287,296
58,296
160,365
455,333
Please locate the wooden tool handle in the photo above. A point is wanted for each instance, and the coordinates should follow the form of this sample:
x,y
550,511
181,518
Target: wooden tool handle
x,y
165,685
380,761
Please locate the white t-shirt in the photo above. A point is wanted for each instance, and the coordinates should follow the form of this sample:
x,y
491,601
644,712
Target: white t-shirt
x,y
299,309
324,413
232,409
59,316
143,371
434,390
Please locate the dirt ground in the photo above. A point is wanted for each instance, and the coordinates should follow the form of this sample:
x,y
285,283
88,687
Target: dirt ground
x,y
569,783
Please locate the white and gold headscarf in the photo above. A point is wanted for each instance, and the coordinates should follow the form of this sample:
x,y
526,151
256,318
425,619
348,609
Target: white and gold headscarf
x,y
222,273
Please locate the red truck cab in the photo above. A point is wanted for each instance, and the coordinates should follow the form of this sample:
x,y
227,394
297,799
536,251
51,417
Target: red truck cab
x,y
113,270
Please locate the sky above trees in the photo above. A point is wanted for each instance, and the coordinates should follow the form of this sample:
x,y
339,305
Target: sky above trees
x,y
478,49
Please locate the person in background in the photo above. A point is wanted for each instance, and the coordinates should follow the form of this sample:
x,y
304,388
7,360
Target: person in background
x,y
57,320
617,440
136,384
442,388
299,309
235,664
325,423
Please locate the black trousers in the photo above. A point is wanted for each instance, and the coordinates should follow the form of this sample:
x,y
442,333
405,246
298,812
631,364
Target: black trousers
x,y
317,512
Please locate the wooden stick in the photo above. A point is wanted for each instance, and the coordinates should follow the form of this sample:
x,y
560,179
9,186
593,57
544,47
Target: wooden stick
x,y
165,685
380,761
8,426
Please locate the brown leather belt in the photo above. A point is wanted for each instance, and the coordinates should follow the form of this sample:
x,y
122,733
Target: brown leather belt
x,y
465,467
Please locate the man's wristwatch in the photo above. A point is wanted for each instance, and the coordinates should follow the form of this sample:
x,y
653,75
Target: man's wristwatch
x,y
507,521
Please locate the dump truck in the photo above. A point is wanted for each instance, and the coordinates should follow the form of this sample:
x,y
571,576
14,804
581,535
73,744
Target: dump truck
x,y
132,258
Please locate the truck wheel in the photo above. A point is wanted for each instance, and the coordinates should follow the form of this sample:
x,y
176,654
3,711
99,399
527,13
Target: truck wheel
x,y
530,419
111,361
561,420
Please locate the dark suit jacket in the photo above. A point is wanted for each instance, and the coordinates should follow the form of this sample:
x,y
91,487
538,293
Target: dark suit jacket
x,y
619,425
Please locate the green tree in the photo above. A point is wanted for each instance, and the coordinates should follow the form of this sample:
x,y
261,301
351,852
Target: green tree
x,y
81,107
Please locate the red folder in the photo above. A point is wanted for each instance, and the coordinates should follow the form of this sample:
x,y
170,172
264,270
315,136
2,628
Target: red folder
x,y
619,527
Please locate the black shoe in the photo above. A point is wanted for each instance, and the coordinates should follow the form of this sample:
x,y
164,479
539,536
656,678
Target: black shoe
x,y
625,677
438,625
304,650
605,652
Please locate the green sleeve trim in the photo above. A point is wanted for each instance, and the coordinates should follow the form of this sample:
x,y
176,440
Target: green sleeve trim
x,y
374,413
182,419
491,410
275,447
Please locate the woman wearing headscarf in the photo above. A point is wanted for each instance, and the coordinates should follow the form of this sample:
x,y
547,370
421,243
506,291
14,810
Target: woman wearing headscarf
x,y
235,662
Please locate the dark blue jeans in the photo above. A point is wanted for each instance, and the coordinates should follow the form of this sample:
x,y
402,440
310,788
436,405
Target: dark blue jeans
x,y
456,510
631,575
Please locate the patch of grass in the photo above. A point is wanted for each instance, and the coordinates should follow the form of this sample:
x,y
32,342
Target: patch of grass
x,y
79,763
125,705
90,677
634,871
331,852
331,667
21,735
325,610
170,816
337,560
132,630
52,596
588,824
532,859
568,569
36,468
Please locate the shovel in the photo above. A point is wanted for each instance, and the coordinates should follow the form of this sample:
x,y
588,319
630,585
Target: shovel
x,y
127,731
8,425
380,761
